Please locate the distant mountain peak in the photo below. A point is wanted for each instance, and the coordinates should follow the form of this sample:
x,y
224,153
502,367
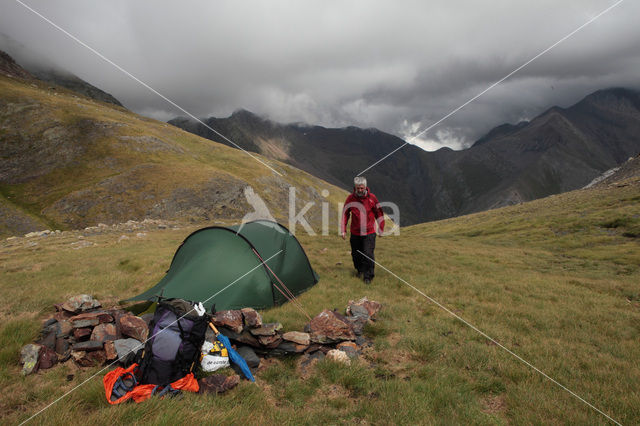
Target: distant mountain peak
x,y
10,67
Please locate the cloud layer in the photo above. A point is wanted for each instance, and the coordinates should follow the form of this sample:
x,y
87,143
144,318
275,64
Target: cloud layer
x,y
398,67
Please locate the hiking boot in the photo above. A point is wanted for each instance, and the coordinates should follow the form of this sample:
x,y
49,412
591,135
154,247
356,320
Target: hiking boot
x,y
367,281
360,274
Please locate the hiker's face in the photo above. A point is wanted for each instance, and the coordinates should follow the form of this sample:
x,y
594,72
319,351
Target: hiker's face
x,y
360,190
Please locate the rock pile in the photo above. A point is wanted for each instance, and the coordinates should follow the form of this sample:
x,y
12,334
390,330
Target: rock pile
x,y
339,337
86,334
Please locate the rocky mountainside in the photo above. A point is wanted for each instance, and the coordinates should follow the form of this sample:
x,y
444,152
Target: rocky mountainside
x,y
69,162
559,150
75,83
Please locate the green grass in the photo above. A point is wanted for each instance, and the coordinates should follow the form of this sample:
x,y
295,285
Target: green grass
x,y
555,281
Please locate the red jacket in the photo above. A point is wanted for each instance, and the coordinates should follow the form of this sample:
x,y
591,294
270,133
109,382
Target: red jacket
x,y
364,212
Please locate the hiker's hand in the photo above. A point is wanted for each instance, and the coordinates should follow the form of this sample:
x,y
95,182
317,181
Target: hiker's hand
x,y
344,235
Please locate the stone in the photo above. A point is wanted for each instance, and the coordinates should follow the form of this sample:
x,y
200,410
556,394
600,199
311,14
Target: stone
x,y
65,328
358,311
62,346
103,332
49,322
266,329
29,355
110,350
80,303
230,319
88,359
218,383
47,359
251,317
308,360
371,306
358,324
62,315
245,337
330,327
89,345
127,348
291,347
81,334
249,355
135,327
270,341
147,318
338,356
297,337
349,348
49,338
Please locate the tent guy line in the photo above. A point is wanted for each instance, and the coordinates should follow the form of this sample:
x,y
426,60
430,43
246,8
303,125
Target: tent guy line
x,y
454,111
143,343
491,339
136,79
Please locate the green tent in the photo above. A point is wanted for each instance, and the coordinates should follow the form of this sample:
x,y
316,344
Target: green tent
x,y
236,267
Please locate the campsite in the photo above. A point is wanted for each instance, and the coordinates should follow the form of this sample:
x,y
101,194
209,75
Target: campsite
x,y
554,280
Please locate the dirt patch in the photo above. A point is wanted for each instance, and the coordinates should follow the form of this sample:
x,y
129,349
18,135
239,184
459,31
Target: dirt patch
x,y
494,404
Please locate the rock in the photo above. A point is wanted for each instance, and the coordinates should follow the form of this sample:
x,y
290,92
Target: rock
x,y
349,348
62,348
249,356
88,359
49,322
251,317
270,341
61,314
218,383
245,337
290,347
29,355
47,359
90,319
81,334
65,328
135,327
89,345
330,327
358,324
147,318
104,332
358,311
110,350
266,329
229,319
49,337
80,303
310,359
371,306
338,356
297,337
127,348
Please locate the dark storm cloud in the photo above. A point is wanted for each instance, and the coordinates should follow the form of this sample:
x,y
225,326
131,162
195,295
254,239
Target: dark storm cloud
x,y
395,66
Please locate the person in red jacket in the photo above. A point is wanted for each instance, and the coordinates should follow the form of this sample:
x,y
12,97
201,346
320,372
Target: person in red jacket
x,y
366,215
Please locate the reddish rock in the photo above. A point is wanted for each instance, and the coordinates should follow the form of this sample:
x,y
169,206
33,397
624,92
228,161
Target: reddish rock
x,y
266,329
351,345
65,328
297,337
47,359
270,341
110,350
62,315
229,319
290,347
135,327
371,306
104,332
80,303
62,346
244,337
89,345
330,327
88,359
218,383
251,317
81,334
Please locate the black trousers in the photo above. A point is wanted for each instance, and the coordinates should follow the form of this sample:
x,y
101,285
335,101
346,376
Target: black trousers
x,y
365,244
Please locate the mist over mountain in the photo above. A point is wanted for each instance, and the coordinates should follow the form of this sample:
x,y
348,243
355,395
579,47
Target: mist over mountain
x,y
559,150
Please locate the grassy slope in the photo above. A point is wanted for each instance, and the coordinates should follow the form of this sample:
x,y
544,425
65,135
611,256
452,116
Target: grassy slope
x,y
117,165
555,281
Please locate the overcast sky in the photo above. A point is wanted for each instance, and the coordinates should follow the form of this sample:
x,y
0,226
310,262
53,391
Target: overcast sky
x,y
395,66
